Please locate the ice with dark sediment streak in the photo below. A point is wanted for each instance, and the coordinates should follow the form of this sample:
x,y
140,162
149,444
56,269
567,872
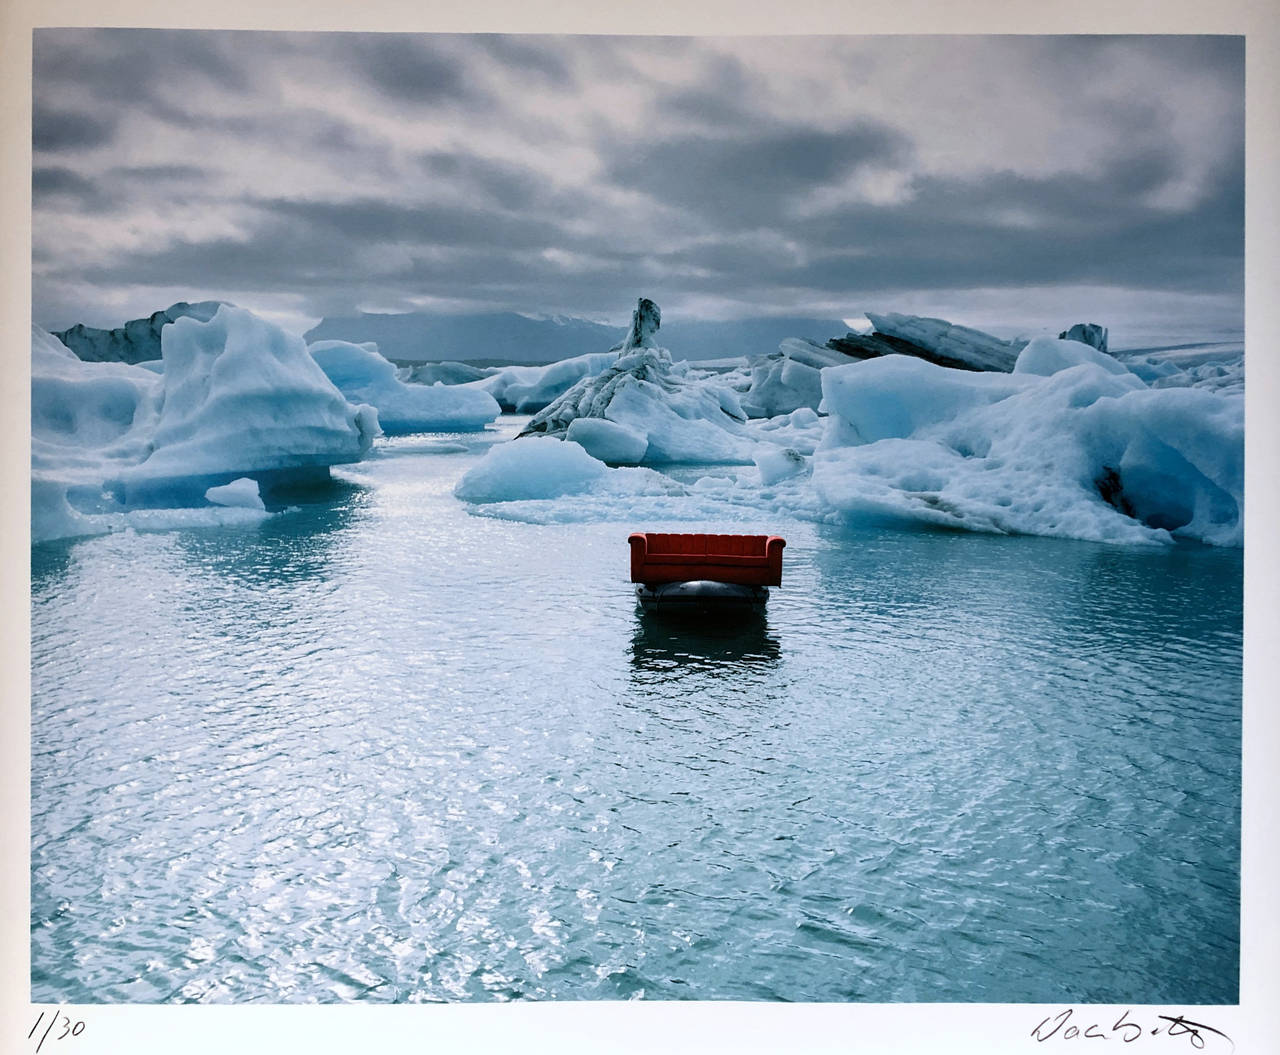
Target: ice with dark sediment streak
x,y
952,344
138,340
681,418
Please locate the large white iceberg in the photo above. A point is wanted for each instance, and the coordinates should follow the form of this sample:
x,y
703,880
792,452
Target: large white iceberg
x,y
1064,445
238,397
364,376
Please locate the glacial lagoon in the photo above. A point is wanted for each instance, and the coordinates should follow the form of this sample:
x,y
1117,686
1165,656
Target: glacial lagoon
x,y
381,748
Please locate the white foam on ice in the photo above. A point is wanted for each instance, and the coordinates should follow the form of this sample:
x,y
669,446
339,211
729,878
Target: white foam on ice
x,y
365,377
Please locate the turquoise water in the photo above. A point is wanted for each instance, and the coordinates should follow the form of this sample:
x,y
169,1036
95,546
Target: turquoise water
x,y
381,749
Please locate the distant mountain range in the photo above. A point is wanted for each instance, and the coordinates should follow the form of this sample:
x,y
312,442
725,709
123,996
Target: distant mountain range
x,y
417,336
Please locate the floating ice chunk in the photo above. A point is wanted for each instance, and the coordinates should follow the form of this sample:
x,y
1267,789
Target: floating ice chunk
x,y
242,493
540,467
243,398
683,416
237,397
364,376
537,467
607,440
88,422
778,463
1045,356
1082,453
449,373
1215,368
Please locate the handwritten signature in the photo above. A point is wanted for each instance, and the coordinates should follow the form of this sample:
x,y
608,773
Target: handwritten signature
x,y
1060,1025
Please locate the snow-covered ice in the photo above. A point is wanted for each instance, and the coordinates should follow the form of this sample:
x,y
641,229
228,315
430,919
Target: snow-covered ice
x,y
1045,356
1061,439
1082,452
365,377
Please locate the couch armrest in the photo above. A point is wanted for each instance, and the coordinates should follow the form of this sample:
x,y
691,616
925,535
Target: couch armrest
x,y
773,551
639,548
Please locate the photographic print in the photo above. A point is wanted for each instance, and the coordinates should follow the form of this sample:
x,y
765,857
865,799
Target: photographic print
x,y
671,518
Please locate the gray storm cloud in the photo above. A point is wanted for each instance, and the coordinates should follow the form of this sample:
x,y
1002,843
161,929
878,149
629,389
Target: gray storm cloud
x,y
306,174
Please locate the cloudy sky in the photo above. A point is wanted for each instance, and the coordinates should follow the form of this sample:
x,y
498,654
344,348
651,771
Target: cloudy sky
x,y
993,180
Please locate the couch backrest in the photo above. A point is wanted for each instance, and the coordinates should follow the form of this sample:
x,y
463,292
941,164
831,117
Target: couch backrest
x,y
701,545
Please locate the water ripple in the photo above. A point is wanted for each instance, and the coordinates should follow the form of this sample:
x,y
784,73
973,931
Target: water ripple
x,y
379,750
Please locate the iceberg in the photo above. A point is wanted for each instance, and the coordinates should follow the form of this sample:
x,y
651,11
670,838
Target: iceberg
x,y
682,419
89,421
1045,356
138,340
541,467
449,373
1062,445
242,493
529,389
947,344
608,441
779,463
789,378
237,397
365,377
1089,333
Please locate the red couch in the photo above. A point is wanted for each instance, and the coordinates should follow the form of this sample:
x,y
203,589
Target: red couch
x,y
750,560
